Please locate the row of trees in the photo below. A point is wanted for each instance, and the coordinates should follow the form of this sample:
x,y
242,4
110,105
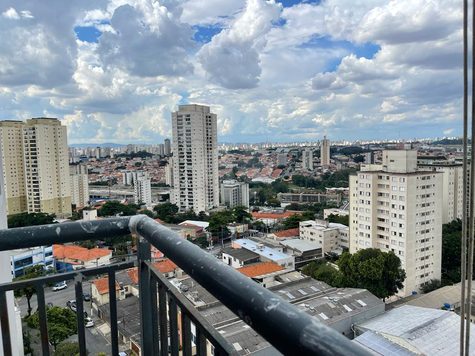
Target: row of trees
x,y
371,269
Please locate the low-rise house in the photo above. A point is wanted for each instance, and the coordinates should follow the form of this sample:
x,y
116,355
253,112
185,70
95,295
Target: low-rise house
x,y
286,234
266,253
239,257
100,292
330,236
264,273
274,217
72,257
303,251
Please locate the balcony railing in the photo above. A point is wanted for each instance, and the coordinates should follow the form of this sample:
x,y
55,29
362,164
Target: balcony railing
x,y
282,324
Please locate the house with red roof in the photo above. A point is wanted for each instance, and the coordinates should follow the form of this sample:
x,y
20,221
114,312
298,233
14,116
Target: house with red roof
x,y
73,257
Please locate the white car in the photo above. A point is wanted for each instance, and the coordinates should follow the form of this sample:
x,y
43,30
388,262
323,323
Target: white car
x,y
59,286
89,322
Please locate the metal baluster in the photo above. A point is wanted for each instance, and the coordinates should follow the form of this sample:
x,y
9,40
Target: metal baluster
x,y
162,312
155,320
186,334
40,294
144,254
113,314
4,322
80,316
173,319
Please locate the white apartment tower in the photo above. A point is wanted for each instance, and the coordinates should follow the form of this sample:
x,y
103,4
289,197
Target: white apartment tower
x,y
79,185
452,186
234,193
36,166
142,188
307,159
396,208
325,152
195,158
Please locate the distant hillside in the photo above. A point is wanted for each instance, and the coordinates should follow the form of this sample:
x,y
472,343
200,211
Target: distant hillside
x,y
448,141
110,144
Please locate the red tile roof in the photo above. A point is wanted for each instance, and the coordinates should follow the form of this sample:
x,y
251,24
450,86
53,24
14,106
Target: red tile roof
x,y
285,215
260,269
102,285
133,274
79,253
165,266
288,233
276,173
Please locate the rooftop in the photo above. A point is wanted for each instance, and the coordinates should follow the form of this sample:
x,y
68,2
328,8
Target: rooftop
x,y
241,254
260,269
262,250
102,285
287,233
300,245
432,332
79,253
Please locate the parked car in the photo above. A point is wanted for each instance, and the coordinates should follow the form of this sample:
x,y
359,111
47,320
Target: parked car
x,y
59,286
69,302
209,248
73,307
88,322
49,304
87,297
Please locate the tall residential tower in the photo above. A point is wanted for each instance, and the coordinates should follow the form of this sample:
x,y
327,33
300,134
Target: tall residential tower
x,y
395,207
325,152
35,156
195,158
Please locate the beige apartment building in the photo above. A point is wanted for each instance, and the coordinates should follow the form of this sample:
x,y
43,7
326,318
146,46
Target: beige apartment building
x,y
331,237
12,150
79,185
307,159
395,207
195,158
325,152
35,155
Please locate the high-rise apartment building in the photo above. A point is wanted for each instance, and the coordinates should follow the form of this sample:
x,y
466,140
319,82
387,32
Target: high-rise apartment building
x,y
161,149
168,147
142,188
395,207
14,314
234,193
46,165
79,185
13,154
36,166
282,159
452,185
325,152
195,158
307,159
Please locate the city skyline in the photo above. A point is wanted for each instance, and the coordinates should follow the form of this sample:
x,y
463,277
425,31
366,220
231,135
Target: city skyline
x,y
291,77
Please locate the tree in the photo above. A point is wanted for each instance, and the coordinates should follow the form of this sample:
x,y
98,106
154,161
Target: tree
x,y
340,219
61,324
293,221
69,349
110,208
149,213
241,214
218,225
129,210
273,202
452,250
432,285
28,292
379,272
359,159
166,211
30,219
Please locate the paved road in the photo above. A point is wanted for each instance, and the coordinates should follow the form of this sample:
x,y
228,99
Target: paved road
x,y
95,341
58,298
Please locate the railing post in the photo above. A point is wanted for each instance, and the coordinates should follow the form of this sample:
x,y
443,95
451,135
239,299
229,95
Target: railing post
x,y
80,315
113,314
7,346
146,332
40,295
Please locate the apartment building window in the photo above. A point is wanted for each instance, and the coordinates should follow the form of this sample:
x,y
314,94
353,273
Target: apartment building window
x,y
394,179
402,189
394,188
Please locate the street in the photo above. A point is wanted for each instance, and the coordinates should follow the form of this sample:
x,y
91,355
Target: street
x,y
95,341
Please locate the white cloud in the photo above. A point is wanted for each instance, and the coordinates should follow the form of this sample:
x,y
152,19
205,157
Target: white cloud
x,y
231,59
448,132
11,14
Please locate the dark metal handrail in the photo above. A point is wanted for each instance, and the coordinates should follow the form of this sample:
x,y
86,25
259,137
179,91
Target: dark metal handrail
x,y
287,328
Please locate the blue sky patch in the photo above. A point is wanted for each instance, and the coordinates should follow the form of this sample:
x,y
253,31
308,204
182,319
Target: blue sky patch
x,y
88,34
290,3
204,34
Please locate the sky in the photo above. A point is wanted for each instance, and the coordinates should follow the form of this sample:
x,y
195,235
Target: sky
x,y
115,70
